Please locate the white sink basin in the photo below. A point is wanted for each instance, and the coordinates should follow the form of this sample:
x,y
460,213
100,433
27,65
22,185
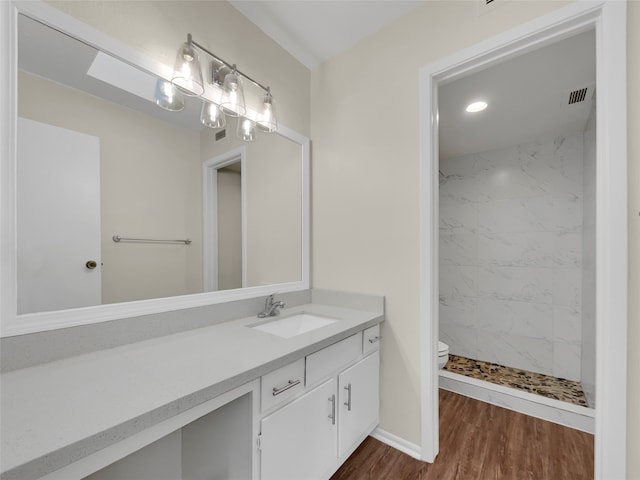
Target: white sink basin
x,y
287,327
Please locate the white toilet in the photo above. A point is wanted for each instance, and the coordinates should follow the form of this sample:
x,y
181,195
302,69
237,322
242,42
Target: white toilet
x,y
443,354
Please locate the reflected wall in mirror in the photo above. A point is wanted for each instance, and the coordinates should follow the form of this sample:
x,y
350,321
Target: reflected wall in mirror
x,y
90,136
230,269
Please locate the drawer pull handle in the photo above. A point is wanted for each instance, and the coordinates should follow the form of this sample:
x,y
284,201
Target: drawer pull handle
x,y
374,339
348,402
290,384
332,416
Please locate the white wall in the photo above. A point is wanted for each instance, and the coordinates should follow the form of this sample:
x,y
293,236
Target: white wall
x,y
588,367
229,229
511,256
366,176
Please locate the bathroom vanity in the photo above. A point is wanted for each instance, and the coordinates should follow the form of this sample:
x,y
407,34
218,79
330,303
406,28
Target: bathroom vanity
x,y
226,401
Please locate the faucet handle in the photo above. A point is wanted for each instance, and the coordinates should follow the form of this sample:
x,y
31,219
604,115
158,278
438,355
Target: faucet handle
x,y
269,300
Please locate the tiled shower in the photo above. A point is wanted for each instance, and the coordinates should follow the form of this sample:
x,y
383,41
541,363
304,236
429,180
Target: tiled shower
x,y
517,256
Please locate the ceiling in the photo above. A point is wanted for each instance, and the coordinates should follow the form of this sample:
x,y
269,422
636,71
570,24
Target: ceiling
x,y
313,31
527,95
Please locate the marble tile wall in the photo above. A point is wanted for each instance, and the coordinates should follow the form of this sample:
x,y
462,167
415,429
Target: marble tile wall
x,y
588,354
511,256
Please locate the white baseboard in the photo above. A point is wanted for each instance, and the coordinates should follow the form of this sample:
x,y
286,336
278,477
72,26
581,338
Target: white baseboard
x,y
398,443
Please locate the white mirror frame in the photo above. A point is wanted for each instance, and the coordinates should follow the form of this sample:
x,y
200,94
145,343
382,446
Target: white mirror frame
x,y
13,324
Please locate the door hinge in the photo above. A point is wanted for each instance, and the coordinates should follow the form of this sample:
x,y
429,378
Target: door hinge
x,y
259,442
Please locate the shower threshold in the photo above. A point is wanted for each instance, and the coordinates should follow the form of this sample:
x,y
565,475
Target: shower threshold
x,y
523,380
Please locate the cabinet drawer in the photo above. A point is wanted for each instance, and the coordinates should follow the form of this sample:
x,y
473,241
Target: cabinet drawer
x,y
328,360
282,384
371,339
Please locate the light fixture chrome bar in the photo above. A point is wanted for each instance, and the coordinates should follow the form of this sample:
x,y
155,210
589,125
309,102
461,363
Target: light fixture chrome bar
x,y
231,66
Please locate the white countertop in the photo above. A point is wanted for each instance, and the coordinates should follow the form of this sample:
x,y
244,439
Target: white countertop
x,y
56,413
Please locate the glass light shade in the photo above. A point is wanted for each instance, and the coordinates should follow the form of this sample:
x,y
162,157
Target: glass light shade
x,y
187,74
246,130
167,96
212,115
267,121
233,95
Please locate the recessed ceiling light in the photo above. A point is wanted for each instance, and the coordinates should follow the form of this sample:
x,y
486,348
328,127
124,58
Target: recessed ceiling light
x,y
476,107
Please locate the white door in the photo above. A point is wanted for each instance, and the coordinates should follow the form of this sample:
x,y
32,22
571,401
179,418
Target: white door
x,y
58,226
359,392
299,441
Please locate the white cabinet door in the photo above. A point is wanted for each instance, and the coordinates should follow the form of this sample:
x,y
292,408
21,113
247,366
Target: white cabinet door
x,y
358,401
299,441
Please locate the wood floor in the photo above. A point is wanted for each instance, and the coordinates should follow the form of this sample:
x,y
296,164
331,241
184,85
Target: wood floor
x,y
481,441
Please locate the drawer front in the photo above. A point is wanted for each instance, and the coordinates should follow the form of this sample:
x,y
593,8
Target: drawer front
x,y
328,360
282,384
371,339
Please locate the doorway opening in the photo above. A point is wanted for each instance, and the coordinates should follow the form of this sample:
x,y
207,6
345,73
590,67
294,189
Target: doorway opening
x,y
608,20
517,230
224,221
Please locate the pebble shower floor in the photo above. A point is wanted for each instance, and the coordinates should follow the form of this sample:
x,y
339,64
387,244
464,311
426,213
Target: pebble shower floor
x,y
537,383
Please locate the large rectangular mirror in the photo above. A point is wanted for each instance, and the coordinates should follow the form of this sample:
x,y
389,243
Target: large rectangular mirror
x,y
118,200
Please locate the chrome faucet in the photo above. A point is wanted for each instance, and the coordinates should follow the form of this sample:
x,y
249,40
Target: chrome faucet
x,y
270,307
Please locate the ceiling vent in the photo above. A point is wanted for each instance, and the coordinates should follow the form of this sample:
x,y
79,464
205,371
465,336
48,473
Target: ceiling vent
x,y
220,135
578,96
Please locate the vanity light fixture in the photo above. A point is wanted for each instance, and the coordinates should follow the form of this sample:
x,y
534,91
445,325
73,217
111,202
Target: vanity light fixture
x,y
167,96
267,116
478,106
212,115
233,95
246,129
187,74
228,80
